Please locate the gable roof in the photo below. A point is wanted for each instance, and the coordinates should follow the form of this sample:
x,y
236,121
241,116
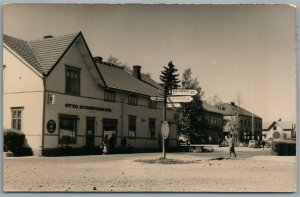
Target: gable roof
x,y
42,54
229,110
284,125
211,108
23,49
118,78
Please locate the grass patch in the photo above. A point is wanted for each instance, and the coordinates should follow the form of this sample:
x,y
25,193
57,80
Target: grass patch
x,y
166,161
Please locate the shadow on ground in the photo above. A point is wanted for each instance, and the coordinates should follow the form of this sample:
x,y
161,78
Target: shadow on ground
x,y
166,161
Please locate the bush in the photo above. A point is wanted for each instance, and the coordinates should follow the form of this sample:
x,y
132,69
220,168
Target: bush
x,y
284,148
12,139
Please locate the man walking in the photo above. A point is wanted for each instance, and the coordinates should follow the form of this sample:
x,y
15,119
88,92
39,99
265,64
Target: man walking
x,y
231,146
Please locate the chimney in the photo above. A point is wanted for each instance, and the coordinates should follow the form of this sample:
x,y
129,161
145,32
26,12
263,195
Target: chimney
x,y
137,71
48,36
97,59
232,103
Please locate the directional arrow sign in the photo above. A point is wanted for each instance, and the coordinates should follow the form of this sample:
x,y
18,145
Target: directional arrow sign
x,y
183,92
179,99
153,98
170,105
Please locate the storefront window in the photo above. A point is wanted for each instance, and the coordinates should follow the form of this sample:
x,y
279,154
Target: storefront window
x,y
109,127
131,126
72,80
151,128
67,129
16,118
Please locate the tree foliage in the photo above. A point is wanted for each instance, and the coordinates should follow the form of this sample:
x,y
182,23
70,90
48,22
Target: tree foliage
x,y
191,115
169,78
215,101
116,61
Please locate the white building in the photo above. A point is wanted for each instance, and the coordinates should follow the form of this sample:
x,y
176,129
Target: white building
x,y
53,88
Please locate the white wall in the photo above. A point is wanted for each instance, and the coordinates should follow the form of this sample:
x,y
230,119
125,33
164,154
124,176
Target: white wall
x,y
23,87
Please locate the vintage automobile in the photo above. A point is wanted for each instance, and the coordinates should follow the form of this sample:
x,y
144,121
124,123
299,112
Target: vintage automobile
x,y
252,144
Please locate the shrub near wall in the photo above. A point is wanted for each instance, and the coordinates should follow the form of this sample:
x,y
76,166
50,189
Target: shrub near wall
x,y
284,148
13,140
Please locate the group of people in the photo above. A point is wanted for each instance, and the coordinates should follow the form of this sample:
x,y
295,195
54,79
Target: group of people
x,y
108,145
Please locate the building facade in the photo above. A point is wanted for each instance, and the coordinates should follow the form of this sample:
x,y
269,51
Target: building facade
x,y
55,92
248,124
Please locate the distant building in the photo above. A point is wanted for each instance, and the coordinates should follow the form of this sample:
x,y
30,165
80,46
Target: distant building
x,y
249,124
55,90
213,133
278,130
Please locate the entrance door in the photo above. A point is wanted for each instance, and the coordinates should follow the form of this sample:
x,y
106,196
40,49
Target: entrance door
x,y
90,131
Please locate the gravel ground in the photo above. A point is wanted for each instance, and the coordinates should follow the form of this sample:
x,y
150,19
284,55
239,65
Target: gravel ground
x,y
254,170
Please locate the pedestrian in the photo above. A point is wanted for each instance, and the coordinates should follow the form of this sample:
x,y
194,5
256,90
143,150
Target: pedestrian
x,y
263,143
230,141
105,145
112,143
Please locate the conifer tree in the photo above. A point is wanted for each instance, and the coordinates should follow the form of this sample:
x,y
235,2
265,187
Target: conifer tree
x,y
169,78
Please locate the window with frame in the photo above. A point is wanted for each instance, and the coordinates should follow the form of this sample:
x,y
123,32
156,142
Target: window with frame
x,y
67,129
152,104
151,128
72,80
132,126
109,95
132,100
16,118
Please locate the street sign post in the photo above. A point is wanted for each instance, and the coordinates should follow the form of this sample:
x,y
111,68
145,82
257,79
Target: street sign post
x,y
179,99
184,92
171,105
155,98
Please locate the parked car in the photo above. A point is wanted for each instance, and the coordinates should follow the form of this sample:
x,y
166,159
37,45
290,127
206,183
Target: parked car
x,y
252,144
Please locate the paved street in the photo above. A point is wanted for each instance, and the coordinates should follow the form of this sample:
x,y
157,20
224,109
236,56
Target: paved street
x,y
254,170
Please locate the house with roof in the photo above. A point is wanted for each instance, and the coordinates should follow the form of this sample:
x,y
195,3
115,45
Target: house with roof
x,y
278,130
248,124
213,133
56,92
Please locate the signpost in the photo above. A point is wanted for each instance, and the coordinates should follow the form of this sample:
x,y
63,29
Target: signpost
x,y
184,92
179,99
178,96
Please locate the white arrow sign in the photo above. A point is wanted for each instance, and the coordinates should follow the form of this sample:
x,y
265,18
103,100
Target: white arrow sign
x,y
154,98
179,99
183,92
170,105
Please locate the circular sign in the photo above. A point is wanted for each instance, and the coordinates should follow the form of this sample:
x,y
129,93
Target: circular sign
x,y
276,135
165,129
51,126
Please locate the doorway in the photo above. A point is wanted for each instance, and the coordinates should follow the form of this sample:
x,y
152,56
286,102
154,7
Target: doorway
x,y
90,131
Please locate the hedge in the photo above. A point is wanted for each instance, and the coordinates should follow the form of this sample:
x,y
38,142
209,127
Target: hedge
x,y
284,148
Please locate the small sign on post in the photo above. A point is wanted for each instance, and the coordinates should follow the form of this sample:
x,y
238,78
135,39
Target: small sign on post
x,y
154,98
175,105
179,99
165,129
184,92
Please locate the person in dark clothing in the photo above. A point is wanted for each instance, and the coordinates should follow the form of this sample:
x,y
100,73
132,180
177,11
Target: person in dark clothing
x,y
263,143
230,141
112,143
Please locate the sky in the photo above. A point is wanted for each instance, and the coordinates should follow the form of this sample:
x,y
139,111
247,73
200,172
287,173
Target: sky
x,y
246,50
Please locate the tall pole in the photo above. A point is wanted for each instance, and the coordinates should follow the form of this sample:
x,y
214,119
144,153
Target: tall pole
x,y
164,119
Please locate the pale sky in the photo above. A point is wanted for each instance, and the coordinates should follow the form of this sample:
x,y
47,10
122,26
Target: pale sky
x,y
232,49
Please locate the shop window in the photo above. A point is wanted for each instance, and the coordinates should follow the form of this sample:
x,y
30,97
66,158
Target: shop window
x,y
151,128
16,118
132,126
109,95
132,100
67,129
109,128
152,104
72,80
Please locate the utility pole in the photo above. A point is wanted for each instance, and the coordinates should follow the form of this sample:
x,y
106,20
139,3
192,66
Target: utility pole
x,y
164,119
